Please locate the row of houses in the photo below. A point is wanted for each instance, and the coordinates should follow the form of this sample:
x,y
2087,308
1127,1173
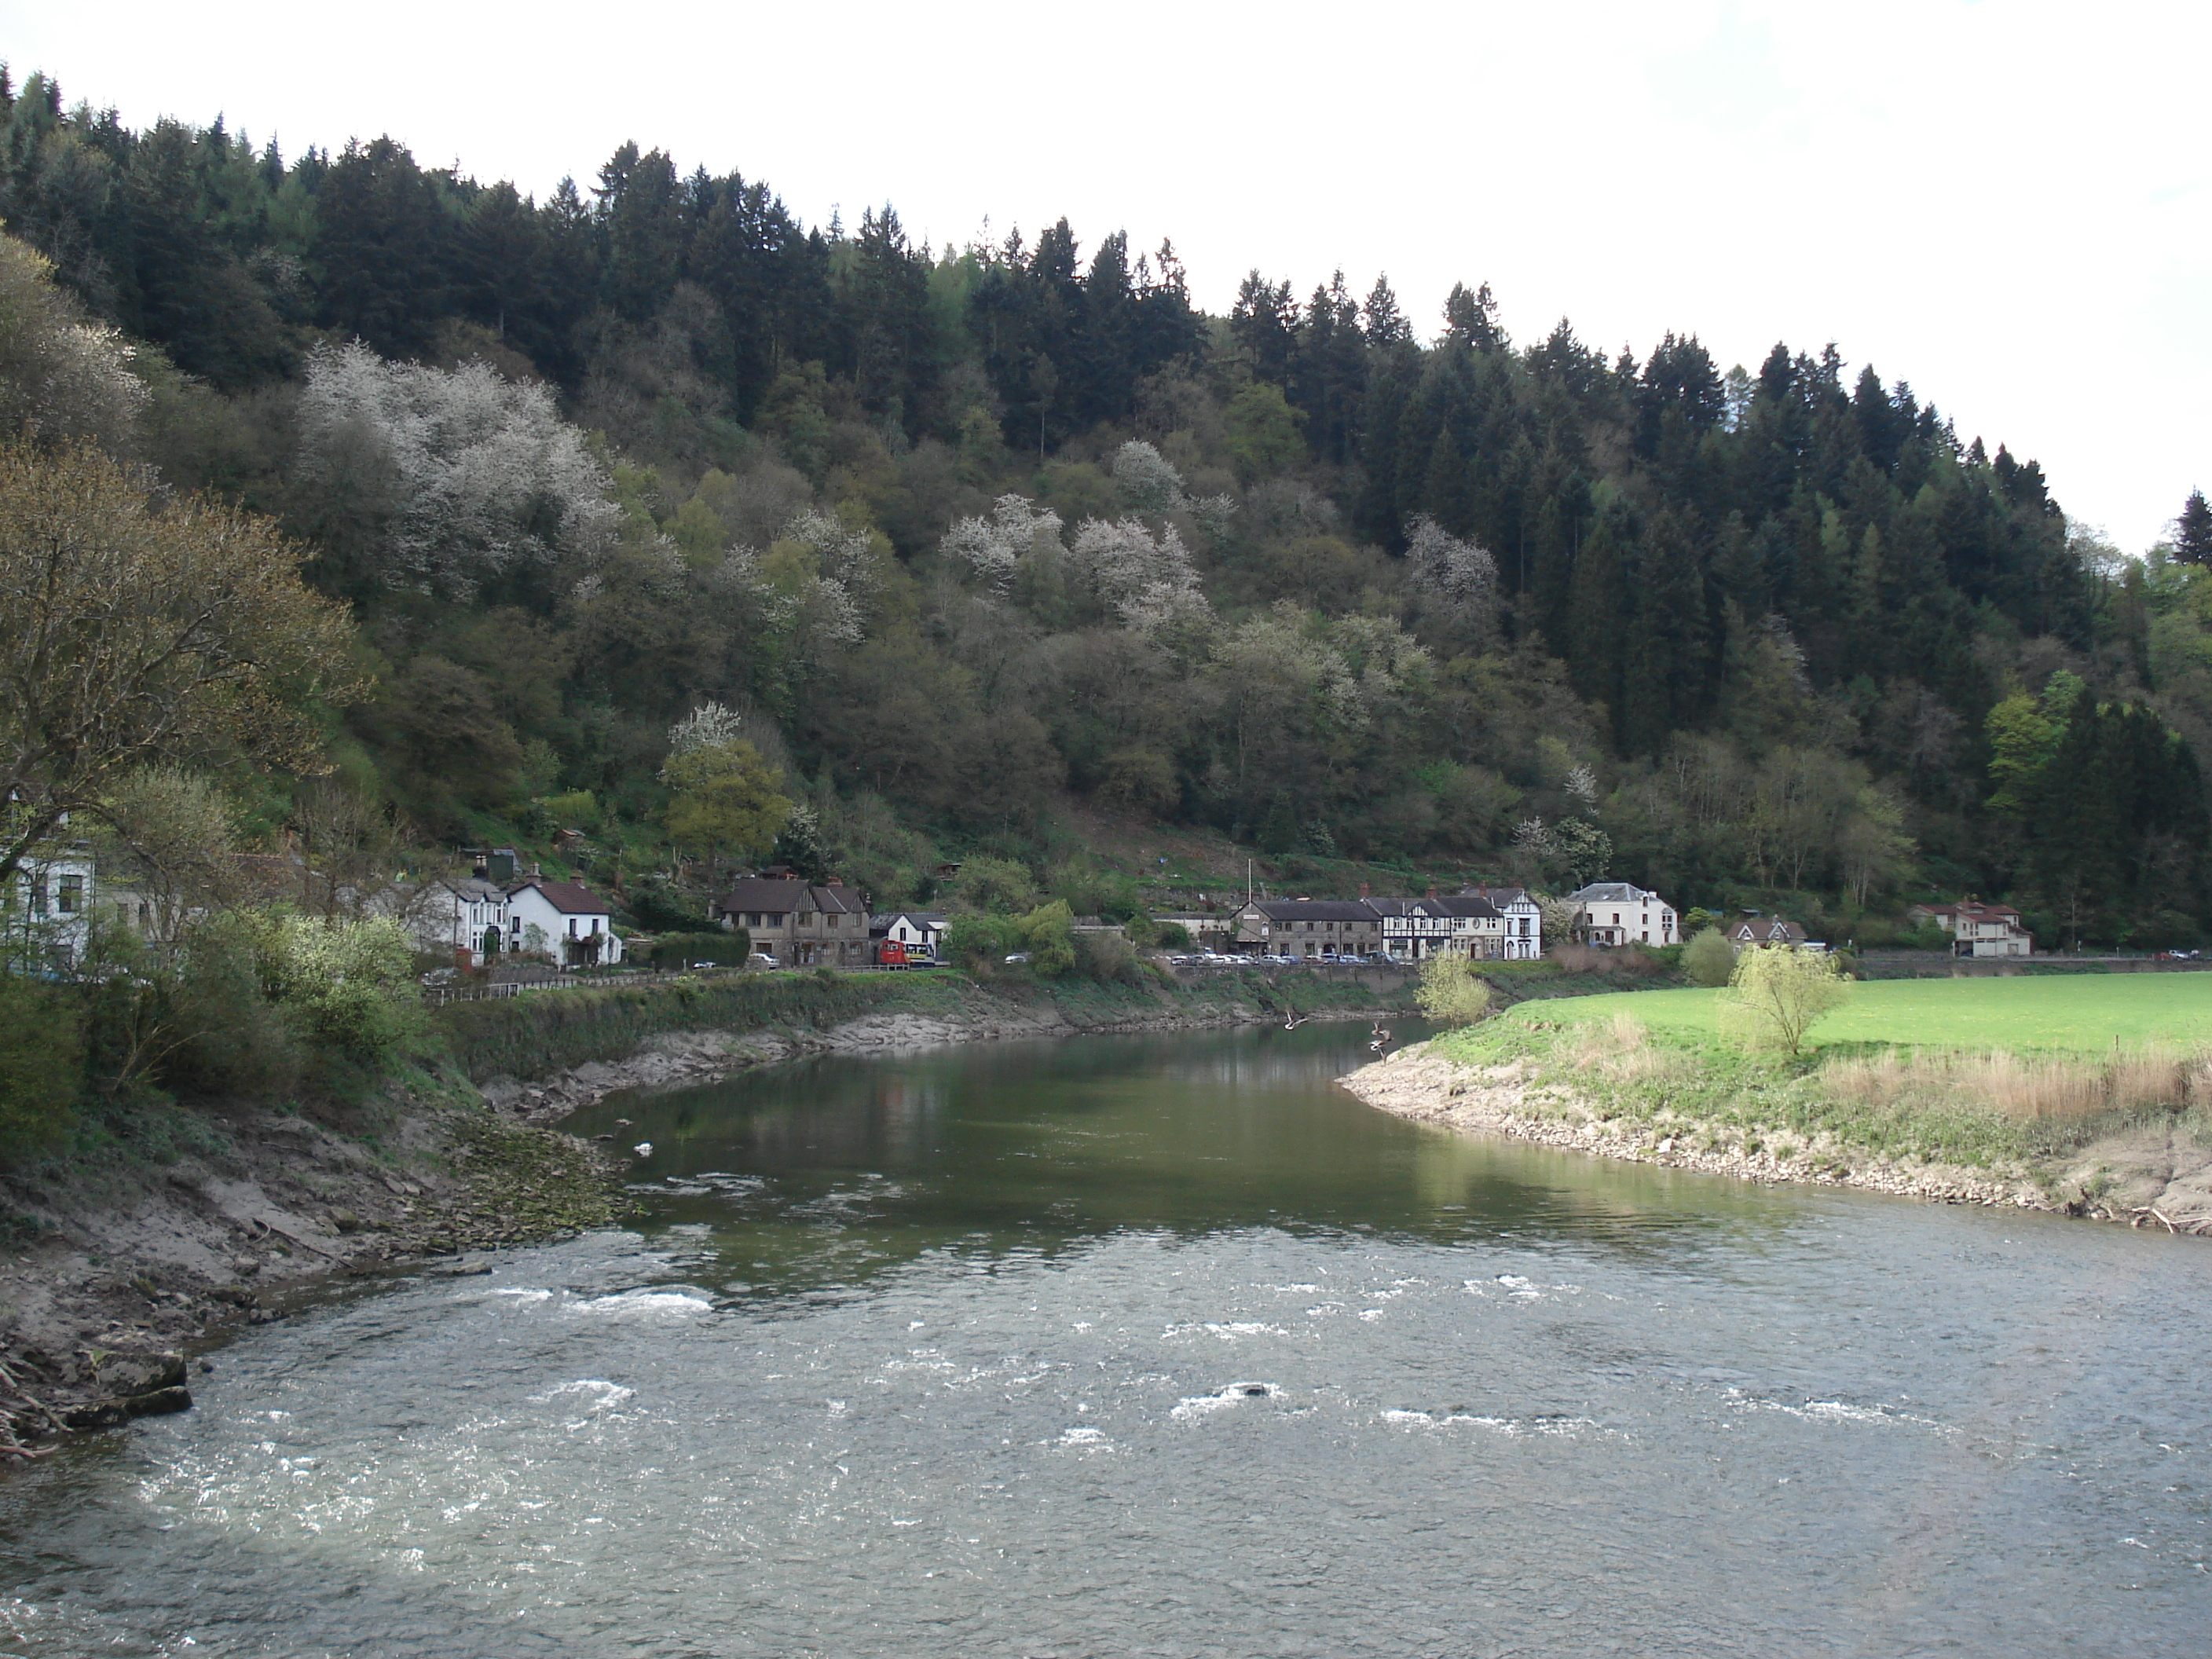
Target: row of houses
x,y
1490,924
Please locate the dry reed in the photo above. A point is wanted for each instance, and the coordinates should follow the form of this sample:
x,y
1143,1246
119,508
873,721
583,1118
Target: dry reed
x,y
2039,1088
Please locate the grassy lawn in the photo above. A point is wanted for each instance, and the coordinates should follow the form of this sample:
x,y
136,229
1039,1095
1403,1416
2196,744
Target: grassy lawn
x,y
2074,1013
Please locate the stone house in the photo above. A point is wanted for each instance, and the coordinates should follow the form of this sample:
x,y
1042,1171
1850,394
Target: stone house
x,y
800,924
1756,929
1308,928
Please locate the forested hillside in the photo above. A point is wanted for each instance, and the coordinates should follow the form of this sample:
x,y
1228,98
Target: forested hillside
x,y
958,537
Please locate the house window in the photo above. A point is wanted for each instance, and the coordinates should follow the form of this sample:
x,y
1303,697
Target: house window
x,y
572,927
68,896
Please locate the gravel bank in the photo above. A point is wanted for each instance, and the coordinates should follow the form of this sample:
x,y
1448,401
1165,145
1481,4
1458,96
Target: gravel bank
x,y
2160,1178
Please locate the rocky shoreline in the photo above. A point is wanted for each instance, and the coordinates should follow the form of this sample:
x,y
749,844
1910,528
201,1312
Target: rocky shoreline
x,y
2142,1180
131,1274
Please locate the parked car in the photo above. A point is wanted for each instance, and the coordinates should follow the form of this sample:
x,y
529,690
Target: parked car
x,y
761,959
1019,956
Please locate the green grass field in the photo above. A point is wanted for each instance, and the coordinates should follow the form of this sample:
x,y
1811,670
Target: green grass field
x,y
2077,1013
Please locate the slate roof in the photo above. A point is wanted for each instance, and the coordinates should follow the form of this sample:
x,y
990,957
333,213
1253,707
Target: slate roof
x,y
770,896
1315,909
569,898
1611,892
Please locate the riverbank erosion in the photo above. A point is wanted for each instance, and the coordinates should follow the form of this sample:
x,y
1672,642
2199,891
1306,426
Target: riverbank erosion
x,y
175,1221
1612,1092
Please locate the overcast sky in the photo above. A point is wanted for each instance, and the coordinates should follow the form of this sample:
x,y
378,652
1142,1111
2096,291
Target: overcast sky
x,y
2005,203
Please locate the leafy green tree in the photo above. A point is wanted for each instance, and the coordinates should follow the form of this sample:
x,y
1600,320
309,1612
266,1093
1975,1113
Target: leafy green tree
x,y
133,632
1048,933
1778,994
726,796
1451,992
1709,959
1263,431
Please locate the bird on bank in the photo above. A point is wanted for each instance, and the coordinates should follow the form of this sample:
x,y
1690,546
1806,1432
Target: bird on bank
x,y
643,1149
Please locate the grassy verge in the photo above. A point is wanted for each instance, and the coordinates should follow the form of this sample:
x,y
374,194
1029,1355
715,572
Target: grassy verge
x,y
1989,1110
2088,1014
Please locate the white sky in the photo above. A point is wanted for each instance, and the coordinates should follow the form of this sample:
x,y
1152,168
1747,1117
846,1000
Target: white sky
x,y
2006,204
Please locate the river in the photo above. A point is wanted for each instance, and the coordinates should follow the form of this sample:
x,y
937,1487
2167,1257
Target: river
x,y
1137,1345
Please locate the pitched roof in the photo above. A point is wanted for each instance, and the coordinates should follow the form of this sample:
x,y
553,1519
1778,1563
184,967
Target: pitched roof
x,y
1462,904
770,896
1611,892
1500,896
1972,912
1769,927
1315,909
569,898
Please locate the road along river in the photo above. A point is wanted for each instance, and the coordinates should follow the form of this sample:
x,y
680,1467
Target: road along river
x,y
1135,1345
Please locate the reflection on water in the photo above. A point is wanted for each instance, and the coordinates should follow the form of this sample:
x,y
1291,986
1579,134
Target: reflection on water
x,y
1167,1347
810,1175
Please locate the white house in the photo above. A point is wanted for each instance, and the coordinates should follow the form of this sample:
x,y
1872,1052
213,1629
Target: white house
x,y
456,914
1517,933
45,909
1978,929
919,931
563,919
1621,913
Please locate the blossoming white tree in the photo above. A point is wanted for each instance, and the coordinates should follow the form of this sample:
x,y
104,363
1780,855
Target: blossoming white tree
x,y
465,474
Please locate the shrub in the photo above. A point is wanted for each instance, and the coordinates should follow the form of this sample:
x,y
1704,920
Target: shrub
x,y
1451,992
1107,956
664,910
1048,933
996,884
350,985
41,1067
976,940
1778,994
1171,936
724,947
1709,958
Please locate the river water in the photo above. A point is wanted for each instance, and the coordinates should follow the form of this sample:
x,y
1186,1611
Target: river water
x,y
1168,1346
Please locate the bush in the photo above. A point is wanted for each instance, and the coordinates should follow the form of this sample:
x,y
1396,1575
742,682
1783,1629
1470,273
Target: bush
x,y
1451,992
350,984
999,885
976,941
1171,936
1709,959
1107,957
664,910
1778,994
41,1067
724,947
1048,933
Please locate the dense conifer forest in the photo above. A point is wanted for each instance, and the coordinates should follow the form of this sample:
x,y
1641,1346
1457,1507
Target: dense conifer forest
x,y
962,541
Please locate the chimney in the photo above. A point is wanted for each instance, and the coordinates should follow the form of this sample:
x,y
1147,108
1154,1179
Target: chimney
x,y
832,881
1363,889
1432,890
537,871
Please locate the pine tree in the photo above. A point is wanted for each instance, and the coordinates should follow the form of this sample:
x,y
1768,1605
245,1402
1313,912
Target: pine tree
x,y
2192,538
